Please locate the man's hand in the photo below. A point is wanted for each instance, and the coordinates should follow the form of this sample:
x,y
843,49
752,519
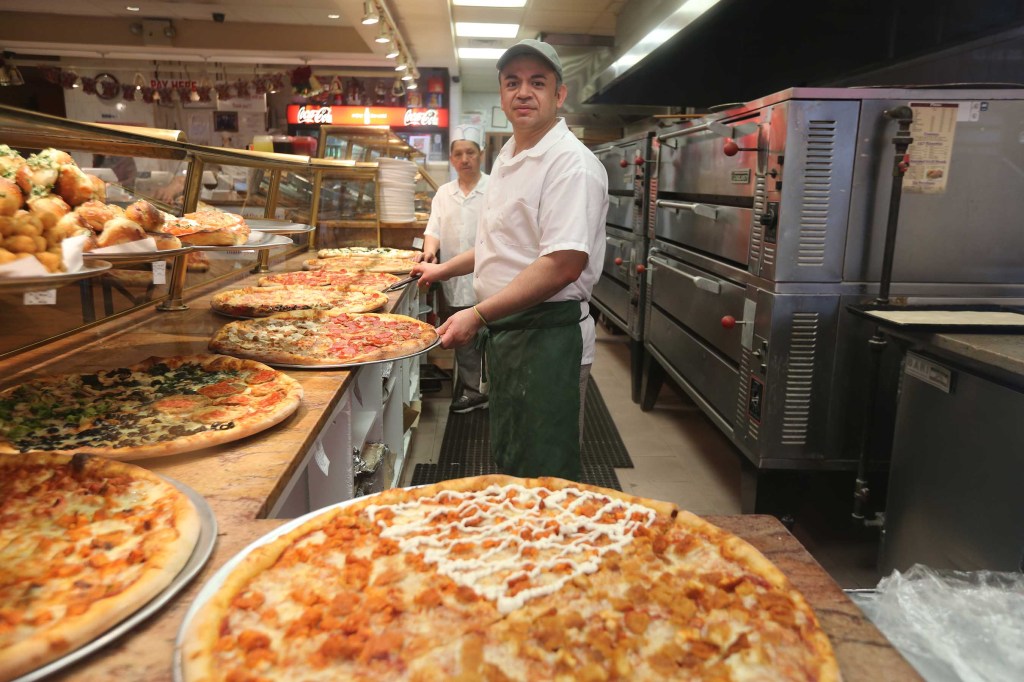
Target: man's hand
x,y
425,257
460,329
429,273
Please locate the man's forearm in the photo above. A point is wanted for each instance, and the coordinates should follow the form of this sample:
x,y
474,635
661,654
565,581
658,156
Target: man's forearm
x,y
541,280
431,246
459,265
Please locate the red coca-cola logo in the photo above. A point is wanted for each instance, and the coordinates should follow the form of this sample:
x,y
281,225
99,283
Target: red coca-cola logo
x,y
421,117
315,115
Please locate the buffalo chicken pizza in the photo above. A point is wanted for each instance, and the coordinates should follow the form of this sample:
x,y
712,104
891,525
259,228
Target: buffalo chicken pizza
x,y
354,279
324,337
84,542
209,227
160,406
496,578
263,301
395,266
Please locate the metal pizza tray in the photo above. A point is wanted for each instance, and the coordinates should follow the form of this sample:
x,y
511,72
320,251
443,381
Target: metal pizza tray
x,y
19,285
353,365
200,555
257,241
277,226
135,256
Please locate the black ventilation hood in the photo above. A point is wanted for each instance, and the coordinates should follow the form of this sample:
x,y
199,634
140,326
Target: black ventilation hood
x,y
739,50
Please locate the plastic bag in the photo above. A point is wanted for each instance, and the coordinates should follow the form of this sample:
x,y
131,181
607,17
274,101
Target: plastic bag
x,y
953,625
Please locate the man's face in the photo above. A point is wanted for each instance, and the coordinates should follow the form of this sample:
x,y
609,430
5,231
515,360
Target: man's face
x,y
530,96
465,158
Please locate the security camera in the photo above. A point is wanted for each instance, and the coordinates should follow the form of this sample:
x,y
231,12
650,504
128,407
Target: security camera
x,y
218,17
456,79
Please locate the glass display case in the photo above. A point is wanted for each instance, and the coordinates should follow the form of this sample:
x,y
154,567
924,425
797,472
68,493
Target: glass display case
x,y
175,176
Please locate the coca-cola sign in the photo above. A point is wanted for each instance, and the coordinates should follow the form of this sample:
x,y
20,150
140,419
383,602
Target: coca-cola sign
x,y
314,115
421,117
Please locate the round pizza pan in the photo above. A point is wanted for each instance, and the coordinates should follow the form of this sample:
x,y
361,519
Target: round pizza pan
x,y
256,242
200,555
213,584
135,256
21,285
353,365
277,226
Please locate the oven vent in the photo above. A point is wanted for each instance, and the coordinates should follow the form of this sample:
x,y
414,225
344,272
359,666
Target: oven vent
x,y
817,194
743,395
796,414
756,230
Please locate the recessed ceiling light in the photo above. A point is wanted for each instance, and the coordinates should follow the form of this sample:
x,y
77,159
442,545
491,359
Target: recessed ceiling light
x,y
480,52
132,8
489,3
468,29
334,16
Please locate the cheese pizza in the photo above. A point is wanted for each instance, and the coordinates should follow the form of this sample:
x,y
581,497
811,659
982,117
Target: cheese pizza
x,y
160,406
356,279
84,542
324,337
367,251
496,578
263,301
395,266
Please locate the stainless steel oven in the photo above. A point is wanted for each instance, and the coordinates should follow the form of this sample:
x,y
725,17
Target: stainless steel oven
x,y
619,293
769,219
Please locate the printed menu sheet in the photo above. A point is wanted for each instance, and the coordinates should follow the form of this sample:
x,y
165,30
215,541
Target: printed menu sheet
x,y
933,130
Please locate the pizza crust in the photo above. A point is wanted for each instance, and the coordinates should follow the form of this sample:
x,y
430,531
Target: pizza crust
x,y
264,301
168,550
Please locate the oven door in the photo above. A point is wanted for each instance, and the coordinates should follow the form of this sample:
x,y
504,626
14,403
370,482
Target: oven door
x,y
612,291
721,231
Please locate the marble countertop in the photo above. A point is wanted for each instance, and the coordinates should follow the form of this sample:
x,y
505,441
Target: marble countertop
x,y
241,481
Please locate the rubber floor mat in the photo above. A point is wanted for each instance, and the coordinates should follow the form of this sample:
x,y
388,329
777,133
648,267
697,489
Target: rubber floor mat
x,y
465,450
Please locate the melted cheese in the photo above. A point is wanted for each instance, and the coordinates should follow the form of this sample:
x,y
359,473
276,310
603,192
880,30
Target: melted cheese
x,y
511,524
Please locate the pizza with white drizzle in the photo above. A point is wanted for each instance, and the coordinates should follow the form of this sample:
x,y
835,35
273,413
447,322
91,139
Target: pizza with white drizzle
x,y
267,300
498,578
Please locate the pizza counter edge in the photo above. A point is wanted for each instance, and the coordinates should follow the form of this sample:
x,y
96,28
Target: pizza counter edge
x,y
242,480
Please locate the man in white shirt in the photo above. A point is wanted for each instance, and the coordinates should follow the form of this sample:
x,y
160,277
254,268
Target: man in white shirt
x,y
539,252
454,215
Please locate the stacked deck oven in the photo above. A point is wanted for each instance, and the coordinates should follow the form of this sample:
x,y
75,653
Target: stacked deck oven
x,y
619,293
770,219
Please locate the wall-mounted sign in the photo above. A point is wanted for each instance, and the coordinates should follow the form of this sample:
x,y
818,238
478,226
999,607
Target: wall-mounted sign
x,y
396,117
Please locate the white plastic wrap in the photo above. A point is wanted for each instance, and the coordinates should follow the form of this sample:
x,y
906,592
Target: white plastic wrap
x,y
952,625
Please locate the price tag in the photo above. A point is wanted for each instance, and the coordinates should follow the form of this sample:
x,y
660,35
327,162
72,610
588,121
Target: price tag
x,y
160,272
417,243
48,297
321,457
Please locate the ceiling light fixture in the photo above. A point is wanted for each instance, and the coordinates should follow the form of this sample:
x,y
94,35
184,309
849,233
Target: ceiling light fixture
x,y
334,16
412,86
489,3
407,76
402,64
469,29
132,8
370,13
384,34
393,50
481,52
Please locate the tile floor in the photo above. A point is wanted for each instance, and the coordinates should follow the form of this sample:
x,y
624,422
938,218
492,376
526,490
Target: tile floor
x,y
679,456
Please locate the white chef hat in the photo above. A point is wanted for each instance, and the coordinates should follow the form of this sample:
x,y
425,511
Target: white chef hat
x,y
467,131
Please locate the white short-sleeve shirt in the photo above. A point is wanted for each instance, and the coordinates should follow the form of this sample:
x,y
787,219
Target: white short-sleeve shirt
x,y
552,197
453,220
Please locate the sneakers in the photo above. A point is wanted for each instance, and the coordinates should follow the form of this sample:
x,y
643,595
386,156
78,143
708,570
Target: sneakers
x,y
464,404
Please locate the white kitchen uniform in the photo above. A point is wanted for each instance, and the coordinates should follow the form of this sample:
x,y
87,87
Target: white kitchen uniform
x,y
453,220
552,197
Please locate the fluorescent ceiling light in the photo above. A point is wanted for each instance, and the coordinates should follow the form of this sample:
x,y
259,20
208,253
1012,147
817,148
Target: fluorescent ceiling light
x,y
489,3
469,29
480,52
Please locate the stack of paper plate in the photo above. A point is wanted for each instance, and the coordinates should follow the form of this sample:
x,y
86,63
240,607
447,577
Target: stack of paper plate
x,y
397,179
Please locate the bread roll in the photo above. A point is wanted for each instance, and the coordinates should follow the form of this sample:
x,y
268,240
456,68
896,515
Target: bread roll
x,y
48,208
10,162
145,214
50,261
96,214
40,172
11,197
120,231
164,241
77,187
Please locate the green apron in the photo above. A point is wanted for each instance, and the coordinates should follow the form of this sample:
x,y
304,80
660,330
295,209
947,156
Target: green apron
x,y
532,364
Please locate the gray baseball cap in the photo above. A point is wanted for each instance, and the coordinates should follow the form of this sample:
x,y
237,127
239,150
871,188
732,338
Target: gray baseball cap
x,y
535,48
